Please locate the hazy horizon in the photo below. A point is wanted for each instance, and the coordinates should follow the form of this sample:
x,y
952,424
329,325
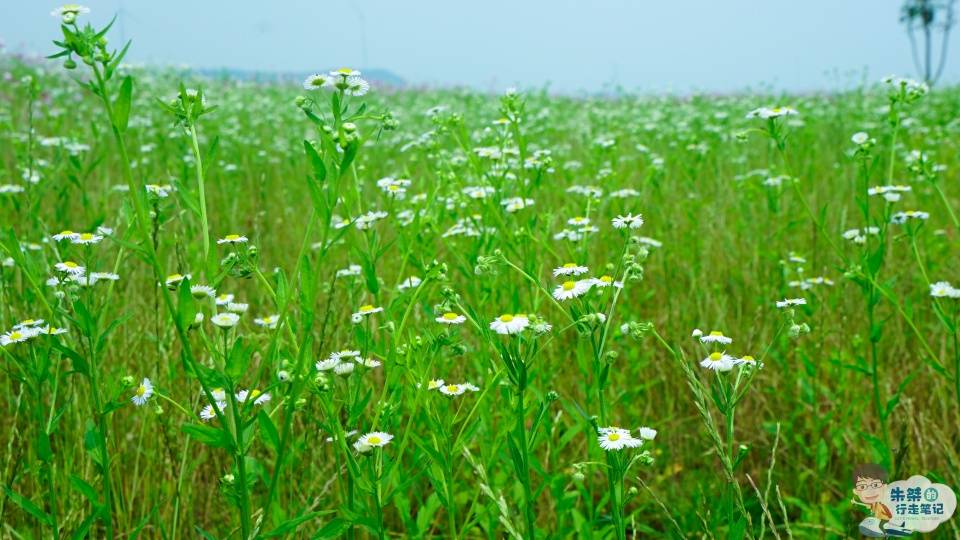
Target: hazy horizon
x,y
566,45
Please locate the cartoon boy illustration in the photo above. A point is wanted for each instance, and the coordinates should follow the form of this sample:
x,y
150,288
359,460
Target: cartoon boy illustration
x,y
869,481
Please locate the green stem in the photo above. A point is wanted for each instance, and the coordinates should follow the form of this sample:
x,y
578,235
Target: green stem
x,y
521,435
198,165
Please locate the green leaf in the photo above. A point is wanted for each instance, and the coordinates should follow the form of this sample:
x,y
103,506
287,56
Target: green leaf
x,y
212,437
333,529
204,533
85,489
270,435
290,525
27,506
349,153
121,107
319,169
238,360
84,527
186,306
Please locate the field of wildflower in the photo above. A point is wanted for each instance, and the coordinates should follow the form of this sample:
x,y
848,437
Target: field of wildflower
x,y
243,310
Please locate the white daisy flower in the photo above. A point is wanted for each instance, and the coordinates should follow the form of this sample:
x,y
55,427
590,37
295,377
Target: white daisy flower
x,y
902,217
207,413
70,267
367,362
572,289
339,356
237,307
746,360
628,221
364,311
787,302
646,433
715,337
143,393
350,271
457,389
317,81
451,318
943,289
269,321
17,336
174,279
258,397
344,368
232,239
202,291
410,283
356,86
225,320
86,238
718,361
570,269
772,112
65,235
374,439
614,439
327,364
28,323
68,12
509,324
52,330
606,281
224,299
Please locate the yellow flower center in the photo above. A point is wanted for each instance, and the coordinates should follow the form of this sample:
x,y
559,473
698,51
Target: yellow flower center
x,y
232,237
174,277
452,388
747,358
570,265
71,264
67,232
613,437
27,322
15,335
374,440
606,279
716,333
716,357
450,316
141,390
568,285
86,236
366,309
506,318
254,394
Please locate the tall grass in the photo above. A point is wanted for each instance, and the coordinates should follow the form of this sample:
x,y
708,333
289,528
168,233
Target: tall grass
x,y
338,311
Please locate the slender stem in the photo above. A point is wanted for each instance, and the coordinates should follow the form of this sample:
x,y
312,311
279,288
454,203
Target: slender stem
x,y
521,435
198,165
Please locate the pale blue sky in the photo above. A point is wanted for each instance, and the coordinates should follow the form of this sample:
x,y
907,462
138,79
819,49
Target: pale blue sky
x,y
671,45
